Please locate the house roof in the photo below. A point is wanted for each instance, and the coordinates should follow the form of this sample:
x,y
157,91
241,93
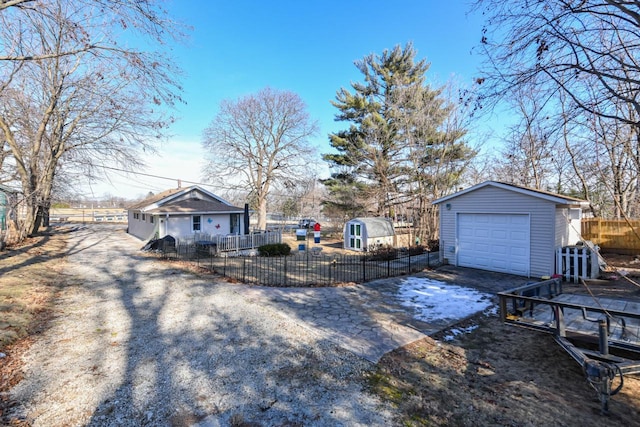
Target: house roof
x,y
376,227
155,198
545,195
167,203
193,206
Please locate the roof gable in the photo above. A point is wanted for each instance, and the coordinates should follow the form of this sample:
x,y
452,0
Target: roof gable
x,y
176,199
540,194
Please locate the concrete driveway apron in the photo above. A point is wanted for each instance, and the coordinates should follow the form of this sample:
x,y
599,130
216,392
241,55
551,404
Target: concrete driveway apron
x,y
365,319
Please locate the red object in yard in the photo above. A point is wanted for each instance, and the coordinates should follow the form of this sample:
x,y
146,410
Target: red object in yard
x,y
316,227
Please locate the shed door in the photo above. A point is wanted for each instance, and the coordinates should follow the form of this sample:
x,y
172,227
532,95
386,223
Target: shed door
x,y
494,242
355,236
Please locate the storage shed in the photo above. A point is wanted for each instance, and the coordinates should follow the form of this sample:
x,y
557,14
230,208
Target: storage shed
x,y
366,234
507,228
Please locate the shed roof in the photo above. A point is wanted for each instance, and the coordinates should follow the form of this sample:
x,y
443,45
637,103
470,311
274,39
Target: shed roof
x,y
541,194
376,227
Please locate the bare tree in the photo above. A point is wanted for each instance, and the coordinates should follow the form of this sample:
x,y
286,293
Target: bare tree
x,y
145,15
72,107
259,142
528,156
586,49
579,60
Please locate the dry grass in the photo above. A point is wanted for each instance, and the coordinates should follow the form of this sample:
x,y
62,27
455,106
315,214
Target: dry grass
x,y
496,375
31,277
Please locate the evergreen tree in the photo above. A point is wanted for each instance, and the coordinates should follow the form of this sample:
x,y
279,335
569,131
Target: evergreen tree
x,y
370,152
404,145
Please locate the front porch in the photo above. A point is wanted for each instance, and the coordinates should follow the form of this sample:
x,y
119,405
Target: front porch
x,y
216,244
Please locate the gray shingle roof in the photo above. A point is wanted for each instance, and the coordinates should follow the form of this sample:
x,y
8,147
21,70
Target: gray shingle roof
x,y
155,198
209,204
541,194
194,206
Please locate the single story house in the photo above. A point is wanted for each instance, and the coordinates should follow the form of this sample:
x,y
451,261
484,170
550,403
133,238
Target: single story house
x,y
182,212
366,234
507,228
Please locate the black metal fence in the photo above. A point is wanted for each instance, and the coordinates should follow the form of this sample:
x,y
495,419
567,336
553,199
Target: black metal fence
x,y
307,269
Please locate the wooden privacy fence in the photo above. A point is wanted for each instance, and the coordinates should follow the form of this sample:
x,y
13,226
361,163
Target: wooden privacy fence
x,y
613,235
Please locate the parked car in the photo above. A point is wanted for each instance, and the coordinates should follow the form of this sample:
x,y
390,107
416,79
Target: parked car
x,y
306,223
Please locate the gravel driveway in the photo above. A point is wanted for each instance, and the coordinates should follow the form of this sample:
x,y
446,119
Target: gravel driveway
x,y
136,342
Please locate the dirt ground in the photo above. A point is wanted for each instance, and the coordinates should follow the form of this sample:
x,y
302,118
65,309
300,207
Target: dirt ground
x,y
333,245
493,375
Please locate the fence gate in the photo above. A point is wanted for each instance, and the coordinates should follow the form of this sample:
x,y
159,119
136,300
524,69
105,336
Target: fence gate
x,y
577,262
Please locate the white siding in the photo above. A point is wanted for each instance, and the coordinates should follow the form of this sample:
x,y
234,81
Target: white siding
x,y
216,224
567,228
142,229
497,200
179,226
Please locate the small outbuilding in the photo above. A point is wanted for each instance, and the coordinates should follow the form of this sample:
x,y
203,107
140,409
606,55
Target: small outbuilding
x,y
366,234
507,228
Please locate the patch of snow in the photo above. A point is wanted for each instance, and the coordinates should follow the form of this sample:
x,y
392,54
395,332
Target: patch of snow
x,y
491,311
433,300
453,333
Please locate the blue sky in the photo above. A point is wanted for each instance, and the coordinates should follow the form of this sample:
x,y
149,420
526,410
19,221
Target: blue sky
x,y
239,47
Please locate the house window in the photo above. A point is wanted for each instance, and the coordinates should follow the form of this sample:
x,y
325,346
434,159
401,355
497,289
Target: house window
x,y
151,219
195,223
144,217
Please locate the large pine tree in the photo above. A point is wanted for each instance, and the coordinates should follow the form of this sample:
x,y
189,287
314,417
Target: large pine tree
x,y
397,124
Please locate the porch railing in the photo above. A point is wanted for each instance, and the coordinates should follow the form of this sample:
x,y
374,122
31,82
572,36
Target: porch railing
x,y
229,243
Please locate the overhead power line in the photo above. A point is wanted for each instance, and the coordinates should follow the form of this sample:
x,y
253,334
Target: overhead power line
x,y
154,176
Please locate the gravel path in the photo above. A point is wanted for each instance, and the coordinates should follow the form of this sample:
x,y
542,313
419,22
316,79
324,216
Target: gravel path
x,y
136,342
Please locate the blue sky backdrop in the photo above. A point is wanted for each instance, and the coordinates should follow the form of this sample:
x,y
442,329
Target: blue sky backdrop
x,y
239,47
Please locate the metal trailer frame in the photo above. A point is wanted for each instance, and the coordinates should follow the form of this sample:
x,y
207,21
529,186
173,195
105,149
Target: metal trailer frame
x,y
609,356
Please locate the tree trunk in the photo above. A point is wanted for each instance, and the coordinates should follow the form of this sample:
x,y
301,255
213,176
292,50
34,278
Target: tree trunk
x,y
262,213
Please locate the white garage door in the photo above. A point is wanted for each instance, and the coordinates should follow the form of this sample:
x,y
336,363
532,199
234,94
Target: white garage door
x,y
494,242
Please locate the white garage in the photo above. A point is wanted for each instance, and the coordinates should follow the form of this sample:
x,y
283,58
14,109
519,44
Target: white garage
x,y
507,228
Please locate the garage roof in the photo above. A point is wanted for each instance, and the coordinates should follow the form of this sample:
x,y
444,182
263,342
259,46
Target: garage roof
x,y
545,195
